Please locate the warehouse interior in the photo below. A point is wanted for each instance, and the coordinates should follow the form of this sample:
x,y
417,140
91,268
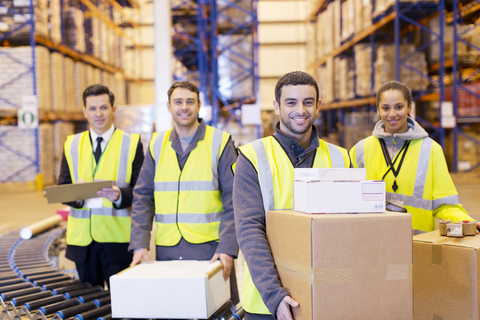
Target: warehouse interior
x,y
234,51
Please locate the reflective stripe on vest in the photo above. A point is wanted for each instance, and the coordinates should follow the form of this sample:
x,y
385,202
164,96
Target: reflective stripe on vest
x,y
105,224
415,188
193,194
327,156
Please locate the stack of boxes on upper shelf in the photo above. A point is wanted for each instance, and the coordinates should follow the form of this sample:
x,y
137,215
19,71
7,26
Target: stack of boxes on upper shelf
x,y
467,56
15,19
360,71
59,80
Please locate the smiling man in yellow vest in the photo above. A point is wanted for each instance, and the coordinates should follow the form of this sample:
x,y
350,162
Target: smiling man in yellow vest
x,y
264,181
98,230
186,183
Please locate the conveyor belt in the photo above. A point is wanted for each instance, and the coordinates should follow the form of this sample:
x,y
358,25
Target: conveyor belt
x,y
32,287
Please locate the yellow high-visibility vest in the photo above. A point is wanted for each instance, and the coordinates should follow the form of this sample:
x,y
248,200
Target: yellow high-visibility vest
x,y
424,183
276,175
188,202
105,224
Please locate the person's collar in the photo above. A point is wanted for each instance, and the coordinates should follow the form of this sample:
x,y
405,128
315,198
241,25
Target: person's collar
x,y
199,134
106,135
314,140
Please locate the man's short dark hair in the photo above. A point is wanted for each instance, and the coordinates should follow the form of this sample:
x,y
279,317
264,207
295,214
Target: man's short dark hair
x,y
295,78
186,85
98,90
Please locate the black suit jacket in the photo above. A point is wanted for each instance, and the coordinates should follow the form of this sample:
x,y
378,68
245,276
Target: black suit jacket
x,y
117,252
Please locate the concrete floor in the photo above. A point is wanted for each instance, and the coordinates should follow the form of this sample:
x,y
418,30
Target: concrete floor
x,y
19,209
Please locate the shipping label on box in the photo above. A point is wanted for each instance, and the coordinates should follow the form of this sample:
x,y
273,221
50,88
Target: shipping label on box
x,y
446,277
330,174
339,196
344,266
177,289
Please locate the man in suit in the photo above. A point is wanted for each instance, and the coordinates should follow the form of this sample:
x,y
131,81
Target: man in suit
x,y
98,230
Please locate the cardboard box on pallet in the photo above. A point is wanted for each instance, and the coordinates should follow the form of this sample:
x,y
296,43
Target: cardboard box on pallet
x,y
446,277
344,266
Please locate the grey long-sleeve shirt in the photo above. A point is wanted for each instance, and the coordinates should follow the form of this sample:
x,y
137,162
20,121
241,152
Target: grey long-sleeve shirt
x,y
143,208
250,217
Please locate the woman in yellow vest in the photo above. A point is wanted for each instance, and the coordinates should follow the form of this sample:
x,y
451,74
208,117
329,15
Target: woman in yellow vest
x,y
412,164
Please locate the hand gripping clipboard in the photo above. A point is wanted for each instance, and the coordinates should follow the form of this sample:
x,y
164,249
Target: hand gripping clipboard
x,y
74,192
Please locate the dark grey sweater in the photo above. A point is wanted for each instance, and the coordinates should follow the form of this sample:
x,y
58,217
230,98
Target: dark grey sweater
x,y
250,217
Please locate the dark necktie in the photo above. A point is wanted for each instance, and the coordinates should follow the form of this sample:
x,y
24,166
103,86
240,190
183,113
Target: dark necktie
x,y
98,150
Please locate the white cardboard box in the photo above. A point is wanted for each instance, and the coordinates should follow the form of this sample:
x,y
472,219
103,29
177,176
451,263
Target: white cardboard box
x,y
333,174
169,289
339,196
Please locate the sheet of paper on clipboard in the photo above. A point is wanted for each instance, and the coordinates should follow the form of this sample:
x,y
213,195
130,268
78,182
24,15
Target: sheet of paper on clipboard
x,y
74,192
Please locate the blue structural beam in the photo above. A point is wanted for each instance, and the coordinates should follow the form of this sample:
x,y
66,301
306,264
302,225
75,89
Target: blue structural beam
x,y
227,42
410,13
458,84
29,21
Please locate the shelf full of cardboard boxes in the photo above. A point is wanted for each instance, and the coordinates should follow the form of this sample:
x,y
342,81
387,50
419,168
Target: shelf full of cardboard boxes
x,y
76,44
355,56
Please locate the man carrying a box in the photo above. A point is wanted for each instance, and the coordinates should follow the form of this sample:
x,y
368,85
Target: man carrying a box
x,y
186,184
98,230
264,174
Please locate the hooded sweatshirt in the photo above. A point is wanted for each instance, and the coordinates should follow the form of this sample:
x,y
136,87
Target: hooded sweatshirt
x,y
394,142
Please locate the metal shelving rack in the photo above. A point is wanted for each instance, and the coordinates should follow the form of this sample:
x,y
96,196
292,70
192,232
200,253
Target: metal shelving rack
x,y
405,17
459,81
200,50
36,39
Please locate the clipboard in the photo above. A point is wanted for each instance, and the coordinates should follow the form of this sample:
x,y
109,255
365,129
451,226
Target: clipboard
x,y
74,192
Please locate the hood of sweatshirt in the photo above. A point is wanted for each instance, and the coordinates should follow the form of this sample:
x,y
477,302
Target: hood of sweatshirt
x,y
415,131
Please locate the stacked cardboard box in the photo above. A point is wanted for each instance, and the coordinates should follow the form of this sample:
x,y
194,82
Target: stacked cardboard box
x,y
446,276
229,17
336,78
107,80
61,130
14,13
363,69
338,267
58,81
327,81
231,64
357,126
468,151
240,135
80,84
92,37
348,19
119,89
385,67
136,119
381,6
346,83
18,81
46,153
70,101
55,20
15,166
319,35
467,104
74,29
363,14
337,26
311,44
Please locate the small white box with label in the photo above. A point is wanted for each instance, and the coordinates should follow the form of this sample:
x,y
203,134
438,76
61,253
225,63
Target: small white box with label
x,y
339,196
